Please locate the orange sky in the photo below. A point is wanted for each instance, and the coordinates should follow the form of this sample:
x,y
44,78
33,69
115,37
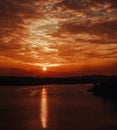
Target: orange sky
x,y
69,37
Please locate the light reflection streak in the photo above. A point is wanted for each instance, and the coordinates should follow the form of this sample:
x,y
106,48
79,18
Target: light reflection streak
x,y
44,108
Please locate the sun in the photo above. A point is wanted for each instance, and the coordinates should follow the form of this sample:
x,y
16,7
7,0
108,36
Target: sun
x,y
44,69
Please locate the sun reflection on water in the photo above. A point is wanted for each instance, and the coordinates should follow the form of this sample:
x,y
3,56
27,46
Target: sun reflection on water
x,y
44,108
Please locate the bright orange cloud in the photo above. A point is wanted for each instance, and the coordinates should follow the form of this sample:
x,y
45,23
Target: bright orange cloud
x,y
59,33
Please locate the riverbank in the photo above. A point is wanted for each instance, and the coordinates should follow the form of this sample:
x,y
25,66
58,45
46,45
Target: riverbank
x,y
94,79
106,89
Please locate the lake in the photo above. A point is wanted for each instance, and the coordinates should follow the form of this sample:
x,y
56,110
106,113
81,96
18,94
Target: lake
x,y
55,107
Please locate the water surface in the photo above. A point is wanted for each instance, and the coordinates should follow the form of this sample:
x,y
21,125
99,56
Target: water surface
x,y
55,107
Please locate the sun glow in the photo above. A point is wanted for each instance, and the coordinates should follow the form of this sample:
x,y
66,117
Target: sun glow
x,y
44,69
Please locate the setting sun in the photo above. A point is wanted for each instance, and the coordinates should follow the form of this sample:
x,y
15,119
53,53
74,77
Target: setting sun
x,y
44,68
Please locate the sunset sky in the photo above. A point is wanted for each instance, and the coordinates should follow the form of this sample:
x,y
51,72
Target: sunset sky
x,y
68,37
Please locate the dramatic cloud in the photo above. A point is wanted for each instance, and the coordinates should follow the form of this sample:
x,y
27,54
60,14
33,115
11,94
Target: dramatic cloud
x,y
58,32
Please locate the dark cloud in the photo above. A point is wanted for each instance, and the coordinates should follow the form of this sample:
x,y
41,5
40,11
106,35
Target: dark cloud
x,y
105,30
9,47
74,4
91,8
113,2
86,4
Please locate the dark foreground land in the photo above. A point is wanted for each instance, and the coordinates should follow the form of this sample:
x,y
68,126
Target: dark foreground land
x,y
94,79
107,88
